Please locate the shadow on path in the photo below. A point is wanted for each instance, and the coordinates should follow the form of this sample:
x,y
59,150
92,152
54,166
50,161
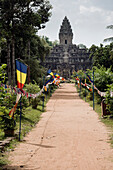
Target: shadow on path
x,y
65,97
43,146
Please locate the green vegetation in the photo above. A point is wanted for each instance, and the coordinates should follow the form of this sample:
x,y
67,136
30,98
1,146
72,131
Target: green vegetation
x,y
19,25
102,56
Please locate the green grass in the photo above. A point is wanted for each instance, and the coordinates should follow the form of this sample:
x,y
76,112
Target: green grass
x,y
29,120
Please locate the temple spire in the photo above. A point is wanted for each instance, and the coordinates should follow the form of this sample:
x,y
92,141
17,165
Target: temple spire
x,y
65,34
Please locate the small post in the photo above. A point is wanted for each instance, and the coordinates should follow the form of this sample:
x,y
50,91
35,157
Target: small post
x,y
93,93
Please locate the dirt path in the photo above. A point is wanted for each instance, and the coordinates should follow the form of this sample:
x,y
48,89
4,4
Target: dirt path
x,y
69,137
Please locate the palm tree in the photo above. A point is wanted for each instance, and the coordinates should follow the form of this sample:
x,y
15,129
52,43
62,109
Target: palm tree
x,y
111,38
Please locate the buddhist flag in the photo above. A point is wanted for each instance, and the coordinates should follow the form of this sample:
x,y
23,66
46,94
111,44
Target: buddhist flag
x,y
21,74
56,75
85,82
89,88
51,73
89,78
11,113
45,88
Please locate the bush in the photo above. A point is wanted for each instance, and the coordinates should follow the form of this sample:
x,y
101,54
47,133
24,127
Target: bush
x,y
84,92
109,99
5,122
90,96
34,88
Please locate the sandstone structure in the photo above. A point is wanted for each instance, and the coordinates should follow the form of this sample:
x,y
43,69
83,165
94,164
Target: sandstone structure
x,y
67,57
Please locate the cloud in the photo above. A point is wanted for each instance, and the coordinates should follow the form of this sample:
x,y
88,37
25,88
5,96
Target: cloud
x,y
88,19
91,9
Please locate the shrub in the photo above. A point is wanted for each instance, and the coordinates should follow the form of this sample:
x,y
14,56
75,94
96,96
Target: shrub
x,y
34,88
109,99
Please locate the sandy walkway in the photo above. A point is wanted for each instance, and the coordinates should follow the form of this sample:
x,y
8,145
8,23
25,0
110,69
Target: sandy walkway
x,y
69,137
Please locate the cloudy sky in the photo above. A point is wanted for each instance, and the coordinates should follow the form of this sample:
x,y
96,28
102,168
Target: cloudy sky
x,y
88,19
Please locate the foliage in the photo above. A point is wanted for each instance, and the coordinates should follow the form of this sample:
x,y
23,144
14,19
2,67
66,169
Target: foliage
x,y
3,73
103,77
109,99
34,88
7,99
36,71
82,46
102,55
50,43
84,92
19,23
5,122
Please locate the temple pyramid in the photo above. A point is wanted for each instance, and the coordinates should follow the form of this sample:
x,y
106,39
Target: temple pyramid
x,y
67,57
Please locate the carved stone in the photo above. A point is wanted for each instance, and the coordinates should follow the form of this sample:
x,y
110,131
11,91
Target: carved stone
x,y
67,57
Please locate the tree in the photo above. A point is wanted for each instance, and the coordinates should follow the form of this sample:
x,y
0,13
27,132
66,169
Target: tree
x,y
110,38
39,48
102,55
50,43
82,46
19,20
36,71
103,77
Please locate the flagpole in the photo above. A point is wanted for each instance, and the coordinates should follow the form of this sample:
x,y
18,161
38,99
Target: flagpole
x,y
21,70
20,118
20,107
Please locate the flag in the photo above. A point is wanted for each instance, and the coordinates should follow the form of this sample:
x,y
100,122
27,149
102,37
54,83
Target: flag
x,y
56,75
89,88
45,88
85,82
89,78
21,74
51,73
47,82
11,113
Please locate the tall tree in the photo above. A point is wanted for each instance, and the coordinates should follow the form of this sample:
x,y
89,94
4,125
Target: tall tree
x,y
102,55
18,20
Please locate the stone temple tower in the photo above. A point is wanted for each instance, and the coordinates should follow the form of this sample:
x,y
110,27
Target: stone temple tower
x,y
65,34
66,56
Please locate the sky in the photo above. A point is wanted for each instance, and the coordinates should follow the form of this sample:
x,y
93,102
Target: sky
x,y
88,19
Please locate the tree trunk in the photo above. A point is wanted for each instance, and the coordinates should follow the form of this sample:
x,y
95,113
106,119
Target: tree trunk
x,y
0,57
13,61
28,52
8,62
28,74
